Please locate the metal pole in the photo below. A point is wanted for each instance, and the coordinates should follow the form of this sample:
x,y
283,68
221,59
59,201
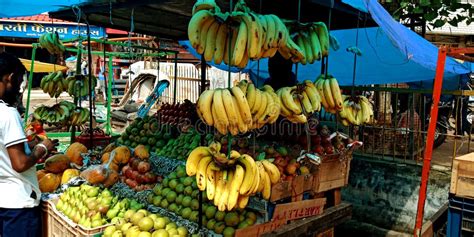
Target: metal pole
x,y
438,83
30,82
89,55
78,72
201,90
175,77
108,126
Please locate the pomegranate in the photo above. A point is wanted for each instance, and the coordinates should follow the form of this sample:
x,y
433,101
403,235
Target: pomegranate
x,y
143,167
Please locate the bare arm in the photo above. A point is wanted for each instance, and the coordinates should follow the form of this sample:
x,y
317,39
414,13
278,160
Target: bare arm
x,y
22,162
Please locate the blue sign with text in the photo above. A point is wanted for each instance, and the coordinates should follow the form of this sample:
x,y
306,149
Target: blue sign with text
x,y
35,30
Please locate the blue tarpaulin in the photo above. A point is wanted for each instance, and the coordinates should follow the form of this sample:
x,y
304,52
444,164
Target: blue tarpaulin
x,y
15,8
391,53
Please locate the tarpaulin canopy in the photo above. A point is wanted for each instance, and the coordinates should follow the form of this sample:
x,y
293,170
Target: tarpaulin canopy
x,y
391,53
14,8
42,67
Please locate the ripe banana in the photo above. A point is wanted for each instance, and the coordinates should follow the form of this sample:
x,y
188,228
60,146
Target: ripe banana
x,y
236,183
194,158
195,27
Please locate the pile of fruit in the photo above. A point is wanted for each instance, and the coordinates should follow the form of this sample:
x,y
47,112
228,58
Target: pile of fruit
x,y
51,42
238,36
356,110
176,114
142,223
147,131
54,84
137,173
321,142
63,113
229,182
180,147
299,101
56,171
89,206
177,193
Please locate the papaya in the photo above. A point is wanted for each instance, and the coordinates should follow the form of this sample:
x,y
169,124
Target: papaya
x,y
49,183
57,163
68,175
141,152
113,165
74,153
109,148
122,154
111,179
41,173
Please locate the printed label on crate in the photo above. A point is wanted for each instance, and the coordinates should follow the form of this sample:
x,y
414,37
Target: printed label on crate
x,y
257,204
260,229
300,209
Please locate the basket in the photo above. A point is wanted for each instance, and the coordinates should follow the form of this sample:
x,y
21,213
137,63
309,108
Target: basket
x,y
99,138
58,225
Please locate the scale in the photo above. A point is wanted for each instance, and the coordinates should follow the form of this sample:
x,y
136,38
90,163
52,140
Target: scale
x,y
151,99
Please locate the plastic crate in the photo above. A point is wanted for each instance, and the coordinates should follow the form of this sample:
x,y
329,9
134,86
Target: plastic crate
x,y
460,217
59,225
98,137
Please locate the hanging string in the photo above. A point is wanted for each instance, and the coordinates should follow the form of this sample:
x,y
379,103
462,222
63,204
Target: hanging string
x,y
110,12
355,56
329,32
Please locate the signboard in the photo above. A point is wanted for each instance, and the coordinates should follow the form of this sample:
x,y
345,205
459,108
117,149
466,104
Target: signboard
x,y
297,210
259,229
35,30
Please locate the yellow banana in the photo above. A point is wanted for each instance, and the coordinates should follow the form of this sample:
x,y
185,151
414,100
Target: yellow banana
x,y
307,47
245,60
328,94
240,45
243,127
229,48
211,41
299,41
220,112
195,26
230,109
313,95
225,191
315,44
336,93
250,171
221,40
220,126
272,171
258,101
243,201
323,36
194,157
262,108
297,118
204,34
221,177
201,172
306,103
269,109
270,35
251,95
234,187
258,33
319,86
205,104
261,173
288,101
211,180
243,105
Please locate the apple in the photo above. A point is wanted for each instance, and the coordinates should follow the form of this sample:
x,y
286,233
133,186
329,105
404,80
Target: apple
x,y
143,167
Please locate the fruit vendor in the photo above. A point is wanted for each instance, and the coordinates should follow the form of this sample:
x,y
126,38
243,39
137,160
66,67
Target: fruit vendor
x,y
20,214
280,71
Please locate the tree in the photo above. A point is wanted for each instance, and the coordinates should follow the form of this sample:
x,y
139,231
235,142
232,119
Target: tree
x,y
436,13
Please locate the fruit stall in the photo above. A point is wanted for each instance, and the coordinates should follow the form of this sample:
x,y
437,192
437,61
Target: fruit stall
x,y
246,160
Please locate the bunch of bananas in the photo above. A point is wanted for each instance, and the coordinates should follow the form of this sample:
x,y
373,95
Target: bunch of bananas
x,y
264,104
57,114
299,101
79,116
51,42
231,186
312,40
331,97
235,37
356,110
78,85
54,84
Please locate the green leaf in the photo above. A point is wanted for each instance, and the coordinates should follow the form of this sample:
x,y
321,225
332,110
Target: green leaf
x,y
468,21
261,156
425,3
418,10
438,23
404,4
430,16
453,22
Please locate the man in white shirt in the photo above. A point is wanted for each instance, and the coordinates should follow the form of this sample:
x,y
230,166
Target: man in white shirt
x,y
20,214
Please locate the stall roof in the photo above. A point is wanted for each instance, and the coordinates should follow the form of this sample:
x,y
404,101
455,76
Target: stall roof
x,y
169,18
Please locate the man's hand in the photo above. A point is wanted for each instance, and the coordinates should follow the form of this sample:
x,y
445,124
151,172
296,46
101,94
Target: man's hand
x,y
50,144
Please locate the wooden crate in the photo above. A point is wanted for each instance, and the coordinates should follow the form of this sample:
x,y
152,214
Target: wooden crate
x,y
46,218
462,177
294,188
327,233
332,173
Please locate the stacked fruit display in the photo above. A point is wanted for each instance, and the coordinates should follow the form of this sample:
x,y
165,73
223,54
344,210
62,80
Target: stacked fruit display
x,y
177,114
54,84
331,97
89,206
142,223
239,36
323,144
137,173
51,42
180,147
177,193
311,38
356,110
229,182
149,132
78,85
299,101
63,113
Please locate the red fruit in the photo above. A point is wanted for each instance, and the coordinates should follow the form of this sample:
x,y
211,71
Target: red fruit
x,y
319,149
279,161
316,140
150,178
143,167
129,173
131,183
291,168
140,179
134,175
124,169
325,141
135,164
329,150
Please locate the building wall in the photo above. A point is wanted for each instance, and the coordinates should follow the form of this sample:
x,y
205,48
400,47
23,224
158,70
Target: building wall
x,y
386,194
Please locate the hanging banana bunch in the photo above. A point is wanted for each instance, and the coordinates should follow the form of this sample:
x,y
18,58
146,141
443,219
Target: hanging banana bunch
x,y
51,42
230,182
299,101
58,114
54,84
331,97
356,110
78,85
